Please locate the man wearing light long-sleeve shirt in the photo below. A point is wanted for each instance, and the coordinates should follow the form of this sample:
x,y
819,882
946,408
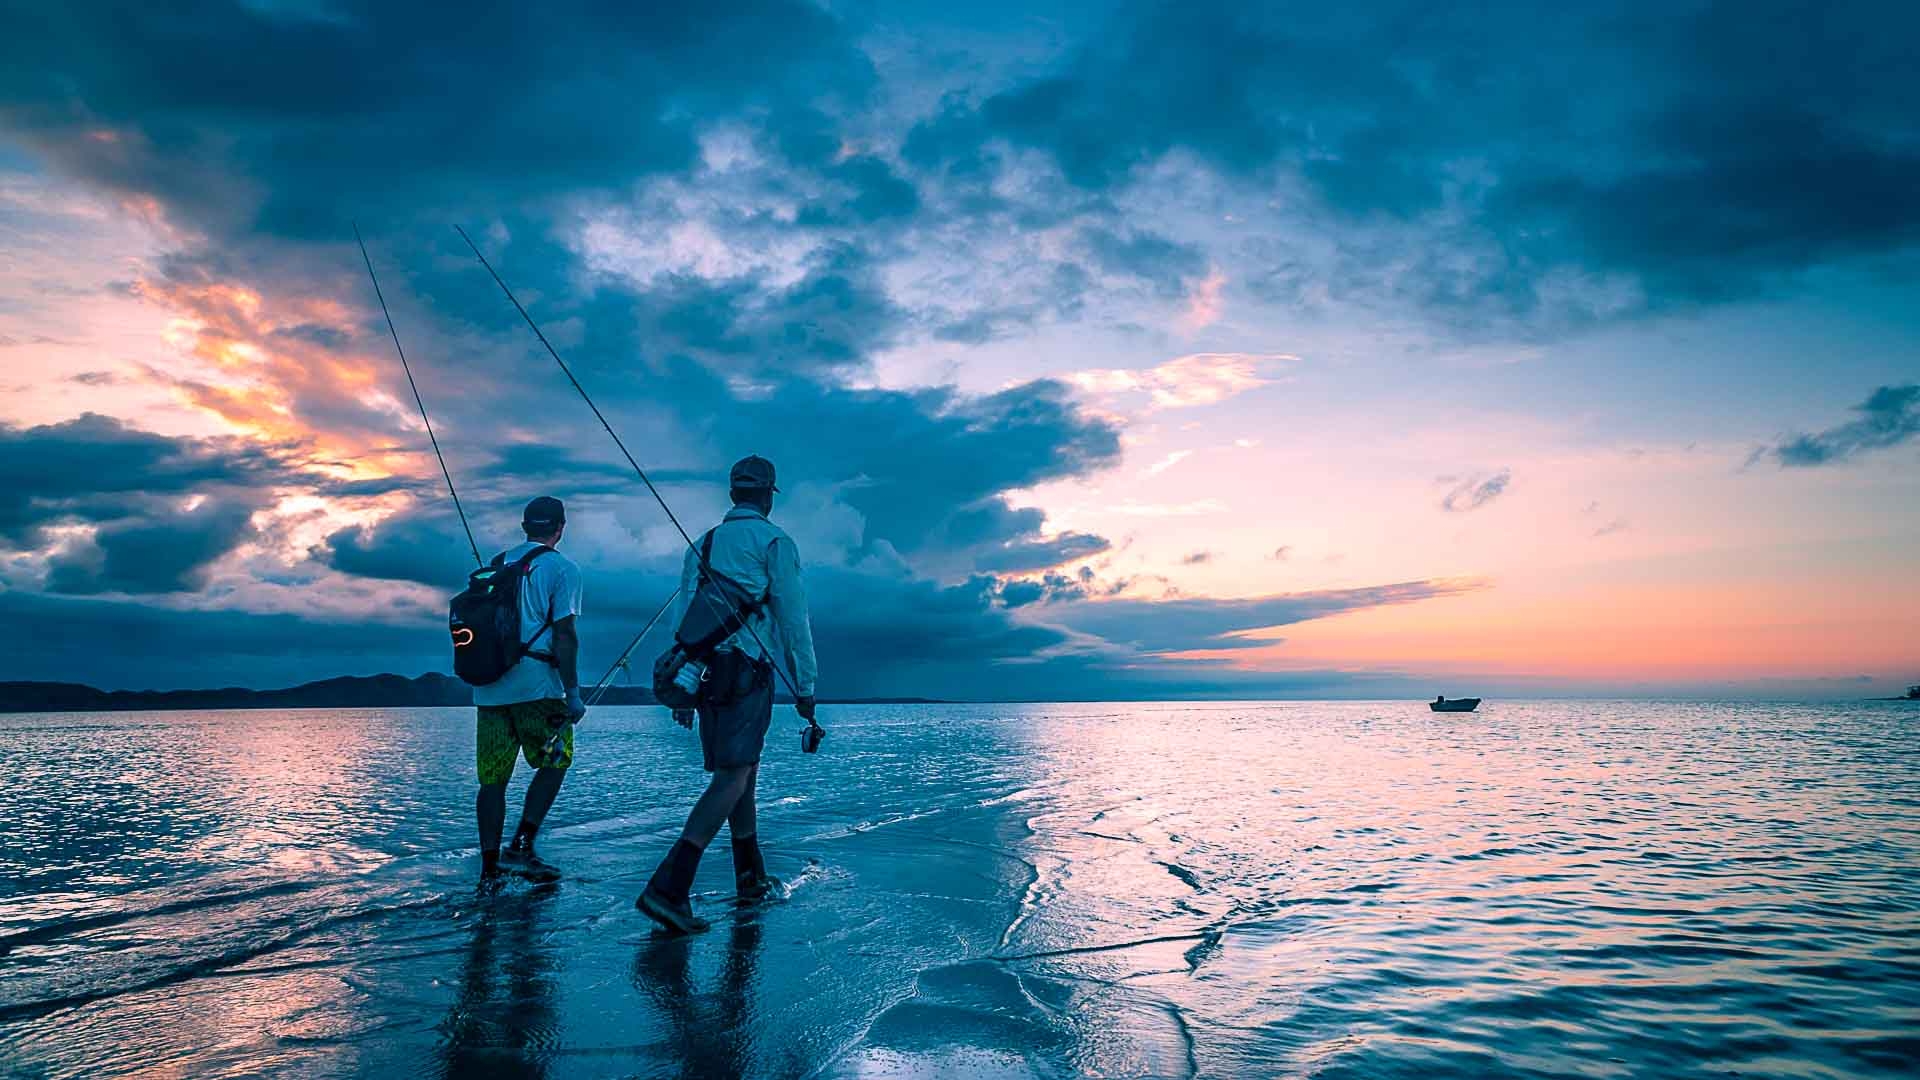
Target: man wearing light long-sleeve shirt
x,y
761,559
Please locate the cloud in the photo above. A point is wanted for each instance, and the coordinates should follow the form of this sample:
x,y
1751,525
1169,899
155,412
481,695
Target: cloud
x,y
1205,303
1281,553
1168,462
407,547
1177,625
1165,264
373,112
1475,492
96,468
1889,417
1700,152
831,317
1186,381
707,213
161,552
184,647
1197,558
1028,555
1611,527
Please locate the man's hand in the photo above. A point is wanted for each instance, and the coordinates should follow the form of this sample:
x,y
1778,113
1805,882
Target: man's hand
x,y
576,708
804,706
683,717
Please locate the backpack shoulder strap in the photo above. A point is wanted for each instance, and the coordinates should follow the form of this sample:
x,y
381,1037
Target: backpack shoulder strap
x,y
523,565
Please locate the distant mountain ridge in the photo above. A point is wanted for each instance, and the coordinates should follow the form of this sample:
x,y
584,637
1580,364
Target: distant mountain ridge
x,y
346,692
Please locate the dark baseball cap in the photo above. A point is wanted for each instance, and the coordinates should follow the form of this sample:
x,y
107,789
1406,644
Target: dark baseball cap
x,y
545,512
752,471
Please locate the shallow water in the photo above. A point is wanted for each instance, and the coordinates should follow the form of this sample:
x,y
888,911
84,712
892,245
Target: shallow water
x,y
1590,889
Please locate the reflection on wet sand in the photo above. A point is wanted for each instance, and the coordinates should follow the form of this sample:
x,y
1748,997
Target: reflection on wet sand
x,y
505,1022
715,1031
1159,890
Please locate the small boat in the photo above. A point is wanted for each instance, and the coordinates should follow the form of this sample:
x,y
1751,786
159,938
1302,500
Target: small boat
x,y
1913,693
1459,704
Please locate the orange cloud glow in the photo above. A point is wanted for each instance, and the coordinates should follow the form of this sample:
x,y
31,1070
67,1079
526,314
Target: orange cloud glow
x,y
255,364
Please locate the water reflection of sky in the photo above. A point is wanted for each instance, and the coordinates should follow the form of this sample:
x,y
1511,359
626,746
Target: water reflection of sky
x,y
1354,888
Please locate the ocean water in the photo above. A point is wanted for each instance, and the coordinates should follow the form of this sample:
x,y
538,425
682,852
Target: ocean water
x,y
1588,889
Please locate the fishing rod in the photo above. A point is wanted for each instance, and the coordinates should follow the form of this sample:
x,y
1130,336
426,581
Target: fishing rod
x,y
408,368
600,688
598,415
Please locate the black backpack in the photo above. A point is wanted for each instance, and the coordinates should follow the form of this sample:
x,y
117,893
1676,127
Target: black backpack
x,y
485,621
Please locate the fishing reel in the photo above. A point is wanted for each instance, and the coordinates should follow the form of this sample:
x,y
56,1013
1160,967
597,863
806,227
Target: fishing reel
x,y
810,737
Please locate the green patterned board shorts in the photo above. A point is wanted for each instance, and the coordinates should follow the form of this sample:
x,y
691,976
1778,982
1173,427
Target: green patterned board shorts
x,y
522,726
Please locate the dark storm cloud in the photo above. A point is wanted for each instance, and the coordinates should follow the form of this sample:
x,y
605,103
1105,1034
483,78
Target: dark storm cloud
x,y
913,622
1890,416
968,449
830,318
96,467
423,547
950,642
120,644
161,552
870,192
1475,492
924,467
242,117
264,130
1700,147
162,507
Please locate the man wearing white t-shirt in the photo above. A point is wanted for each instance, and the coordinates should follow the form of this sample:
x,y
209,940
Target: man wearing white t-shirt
x,y
533,707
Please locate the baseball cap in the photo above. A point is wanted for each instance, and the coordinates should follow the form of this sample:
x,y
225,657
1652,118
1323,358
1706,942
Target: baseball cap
x,y
545,511
752,471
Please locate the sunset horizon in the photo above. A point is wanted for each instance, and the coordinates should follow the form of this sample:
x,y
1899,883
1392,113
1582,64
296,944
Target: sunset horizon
x,y
1426,376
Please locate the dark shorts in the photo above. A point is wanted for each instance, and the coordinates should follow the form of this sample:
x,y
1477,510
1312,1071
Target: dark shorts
x,y
733,733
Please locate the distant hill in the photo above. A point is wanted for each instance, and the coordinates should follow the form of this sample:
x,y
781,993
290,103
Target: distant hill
x,y
347,692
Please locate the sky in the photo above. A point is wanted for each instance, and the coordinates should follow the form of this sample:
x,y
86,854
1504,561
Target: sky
x,y
1105,351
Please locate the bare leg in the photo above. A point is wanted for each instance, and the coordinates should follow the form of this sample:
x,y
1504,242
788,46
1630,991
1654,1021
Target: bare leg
x,y
744,820
716,804
490,808
540,794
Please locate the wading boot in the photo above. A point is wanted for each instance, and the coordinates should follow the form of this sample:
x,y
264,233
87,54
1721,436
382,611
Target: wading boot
x,y
665,898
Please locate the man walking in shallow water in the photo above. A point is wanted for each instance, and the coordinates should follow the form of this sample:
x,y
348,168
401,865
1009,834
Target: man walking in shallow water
x,y
535,701
761,558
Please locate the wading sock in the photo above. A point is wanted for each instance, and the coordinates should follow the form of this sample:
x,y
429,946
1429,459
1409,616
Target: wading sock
x,y
674,877
489,862
523,837
747,863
